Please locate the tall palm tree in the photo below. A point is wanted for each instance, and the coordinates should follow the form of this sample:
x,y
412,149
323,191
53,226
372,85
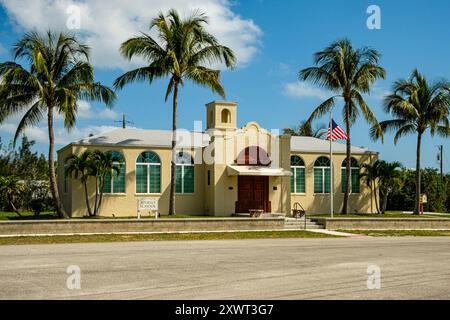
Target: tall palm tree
x,y
59,75
417,106
348,73
180,51
79,166
305,129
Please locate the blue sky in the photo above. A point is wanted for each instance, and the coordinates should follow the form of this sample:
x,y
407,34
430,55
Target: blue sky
x,y
274,39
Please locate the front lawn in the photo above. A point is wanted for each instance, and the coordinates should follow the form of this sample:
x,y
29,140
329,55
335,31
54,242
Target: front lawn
x,y
162,236
401,233
388,214
27,215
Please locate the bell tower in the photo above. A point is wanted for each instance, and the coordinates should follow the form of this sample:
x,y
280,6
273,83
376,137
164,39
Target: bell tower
x,y
221,115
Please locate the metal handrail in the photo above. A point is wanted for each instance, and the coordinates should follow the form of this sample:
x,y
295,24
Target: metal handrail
x,y
298,212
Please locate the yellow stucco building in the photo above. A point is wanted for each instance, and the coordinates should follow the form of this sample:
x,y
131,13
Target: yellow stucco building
x,y
221,171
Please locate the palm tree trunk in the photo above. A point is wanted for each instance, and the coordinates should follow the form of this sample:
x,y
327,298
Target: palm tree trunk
x,y
100,200
418,189
51,167
96,198
347,168
384,206
173,164
377,206
88,205
11,203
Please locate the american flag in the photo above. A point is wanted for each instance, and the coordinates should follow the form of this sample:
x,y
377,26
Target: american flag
x,y
337,132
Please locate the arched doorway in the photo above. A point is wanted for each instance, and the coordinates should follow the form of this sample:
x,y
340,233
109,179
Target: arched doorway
x,y
253,190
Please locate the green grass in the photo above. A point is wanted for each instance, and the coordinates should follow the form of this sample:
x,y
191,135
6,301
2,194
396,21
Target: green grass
x,y
387,215
26,216
401,233
161,236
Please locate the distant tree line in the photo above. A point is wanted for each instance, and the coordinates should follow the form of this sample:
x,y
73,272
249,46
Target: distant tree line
x,y
436,189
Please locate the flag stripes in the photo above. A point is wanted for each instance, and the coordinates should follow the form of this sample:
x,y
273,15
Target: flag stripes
x,y
336,132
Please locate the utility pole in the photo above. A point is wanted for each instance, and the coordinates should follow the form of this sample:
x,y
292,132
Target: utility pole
x,y
441,159
124,121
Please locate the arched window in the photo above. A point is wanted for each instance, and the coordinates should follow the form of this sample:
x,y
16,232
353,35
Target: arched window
x,y
115,181
148,173
184,175
226,116
253,155
354,177
322,176
298,175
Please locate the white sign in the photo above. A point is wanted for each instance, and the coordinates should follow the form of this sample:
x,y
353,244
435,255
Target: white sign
x,y
150,204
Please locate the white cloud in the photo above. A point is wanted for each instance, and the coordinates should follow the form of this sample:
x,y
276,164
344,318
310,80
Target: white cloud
x,y
2,50
105,25
305,90
85,111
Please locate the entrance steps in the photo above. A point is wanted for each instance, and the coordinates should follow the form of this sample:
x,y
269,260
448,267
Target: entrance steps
x,y
299,224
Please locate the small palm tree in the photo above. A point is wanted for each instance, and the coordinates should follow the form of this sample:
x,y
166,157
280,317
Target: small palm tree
x,y
80,167
417,106
370,176
347,72
305,129
59,76
382,178
389,178
180,51
10,189
101,164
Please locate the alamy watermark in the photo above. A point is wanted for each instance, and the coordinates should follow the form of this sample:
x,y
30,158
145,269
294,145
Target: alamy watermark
x,y
73,281
373,277
374,20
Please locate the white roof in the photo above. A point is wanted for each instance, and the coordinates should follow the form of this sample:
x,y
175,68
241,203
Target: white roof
x,y
315,145
147,138
163,138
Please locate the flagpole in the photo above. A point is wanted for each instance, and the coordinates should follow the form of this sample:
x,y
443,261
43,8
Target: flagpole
x,y
331,164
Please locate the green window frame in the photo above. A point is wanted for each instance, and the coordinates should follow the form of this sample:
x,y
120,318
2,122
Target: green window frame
x,y
115,181
355,184
322,176
148,173
298,183
184,174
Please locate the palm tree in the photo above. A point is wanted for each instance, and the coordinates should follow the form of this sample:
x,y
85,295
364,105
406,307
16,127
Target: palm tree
x,y
101,164
59,76
80,168
417,106
389,179
370,176
180,52
10,189
305,129
382,177
348,73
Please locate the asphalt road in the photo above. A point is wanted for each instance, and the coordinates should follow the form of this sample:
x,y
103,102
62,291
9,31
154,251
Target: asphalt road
x,y
411,268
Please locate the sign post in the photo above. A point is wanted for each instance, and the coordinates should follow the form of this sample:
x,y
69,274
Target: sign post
x,y
147,204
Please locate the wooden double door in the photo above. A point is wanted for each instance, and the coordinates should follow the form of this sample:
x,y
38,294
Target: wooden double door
x,y
253,193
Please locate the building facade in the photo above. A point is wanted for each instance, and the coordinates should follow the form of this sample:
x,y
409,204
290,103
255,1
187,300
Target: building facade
x,y
221,171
